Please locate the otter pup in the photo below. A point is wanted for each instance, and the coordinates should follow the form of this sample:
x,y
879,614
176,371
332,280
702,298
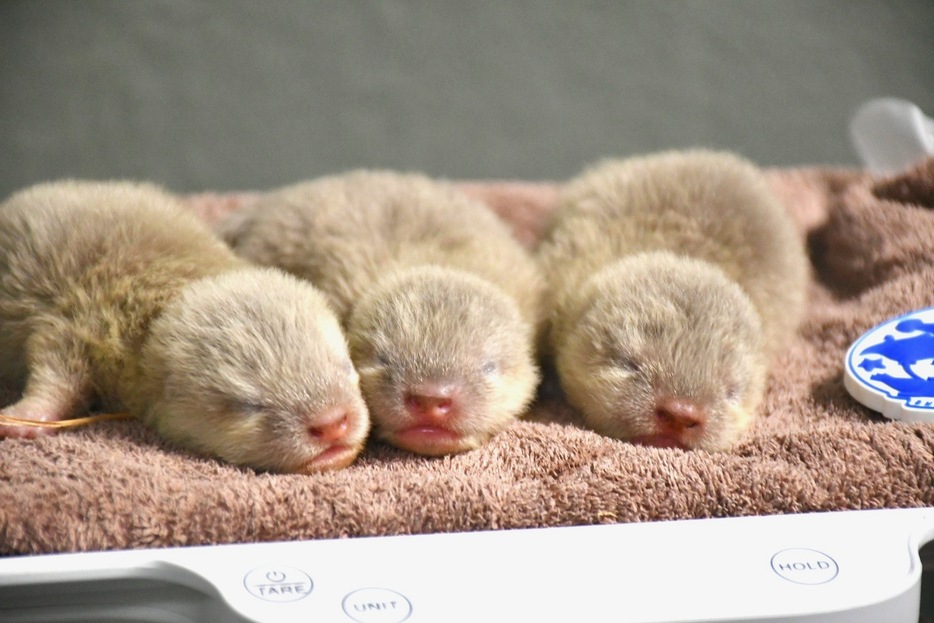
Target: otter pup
x,y
674,278
113,294
439,301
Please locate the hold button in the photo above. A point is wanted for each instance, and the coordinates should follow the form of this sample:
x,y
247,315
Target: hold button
x,y
805,566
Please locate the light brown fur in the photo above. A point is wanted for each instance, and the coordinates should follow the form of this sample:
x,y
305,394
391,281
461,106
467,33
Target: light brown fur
x,y
673,277
433,290
113,294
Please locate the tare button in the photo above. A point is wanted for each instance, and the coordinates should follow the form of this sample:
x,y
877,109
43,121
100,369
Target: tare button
x,y
377,605
278,583
804,566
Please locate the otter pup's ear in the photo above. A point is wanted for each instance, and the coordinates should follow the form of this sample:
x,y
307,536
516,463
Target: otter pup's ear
x,y
234,226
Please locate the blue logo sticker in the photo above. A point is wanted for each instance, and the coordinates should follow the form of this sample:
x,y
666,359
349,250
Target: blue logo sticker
x,y
895,360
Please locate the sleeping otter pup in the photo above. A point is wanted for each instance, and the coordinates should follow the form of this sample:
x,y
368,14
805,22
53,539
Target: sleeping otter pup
x,y
438,299
113,294
674,278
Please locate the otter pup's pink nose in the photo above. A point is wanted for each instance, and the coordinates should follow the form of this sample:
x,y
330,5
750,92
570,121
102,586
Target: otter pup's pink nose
x,y
675,416
430,402
331,428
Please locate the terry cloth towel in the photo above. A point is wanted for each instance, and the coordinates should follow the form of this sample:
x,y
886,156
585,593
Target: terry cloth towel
x,y
116,485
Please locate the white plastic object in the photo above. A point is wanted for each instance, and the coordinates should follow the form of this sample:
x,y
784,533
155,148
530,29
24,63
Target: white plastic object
x,y
890,368
890,135
831,567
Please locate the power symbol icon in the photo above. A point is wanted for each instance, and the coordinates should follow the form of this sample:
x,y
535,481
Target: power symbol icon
x,y
277,583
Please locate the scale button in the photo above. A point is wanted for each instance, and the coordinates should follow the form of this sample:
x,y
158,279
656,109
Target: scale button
x,y
377,605
278,583
804,566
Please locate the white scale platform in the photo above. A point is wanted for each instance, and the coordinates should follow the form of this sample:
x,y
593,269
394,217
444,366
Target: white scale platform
x,y
851,566
839,567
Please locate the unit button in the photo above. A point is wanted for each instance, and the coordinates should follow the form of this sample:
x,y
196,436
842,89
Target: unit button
x,y
278,583
377,605
805,566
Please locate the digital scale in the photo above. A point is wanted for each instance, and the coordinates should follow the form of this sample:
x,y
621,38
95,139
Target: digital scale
x,y
866,566
851,566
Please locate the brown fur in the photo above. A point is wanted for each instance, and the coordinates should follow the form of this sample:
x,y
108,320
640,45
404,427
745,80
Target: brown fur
x,y
675,276
114,294
432,287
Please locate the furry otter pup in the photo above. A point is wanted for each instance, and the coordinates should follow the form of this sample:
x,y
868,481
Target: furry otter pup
x,y
112,294
674,278
439,301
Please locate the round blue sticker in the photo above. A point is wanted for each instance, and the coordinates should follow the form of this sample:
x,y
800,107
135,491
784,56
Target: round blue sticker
x,y
890,369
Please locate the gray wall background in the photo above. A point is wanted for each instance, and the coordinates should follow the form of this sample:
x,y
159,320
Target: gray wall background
x,y
241,94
